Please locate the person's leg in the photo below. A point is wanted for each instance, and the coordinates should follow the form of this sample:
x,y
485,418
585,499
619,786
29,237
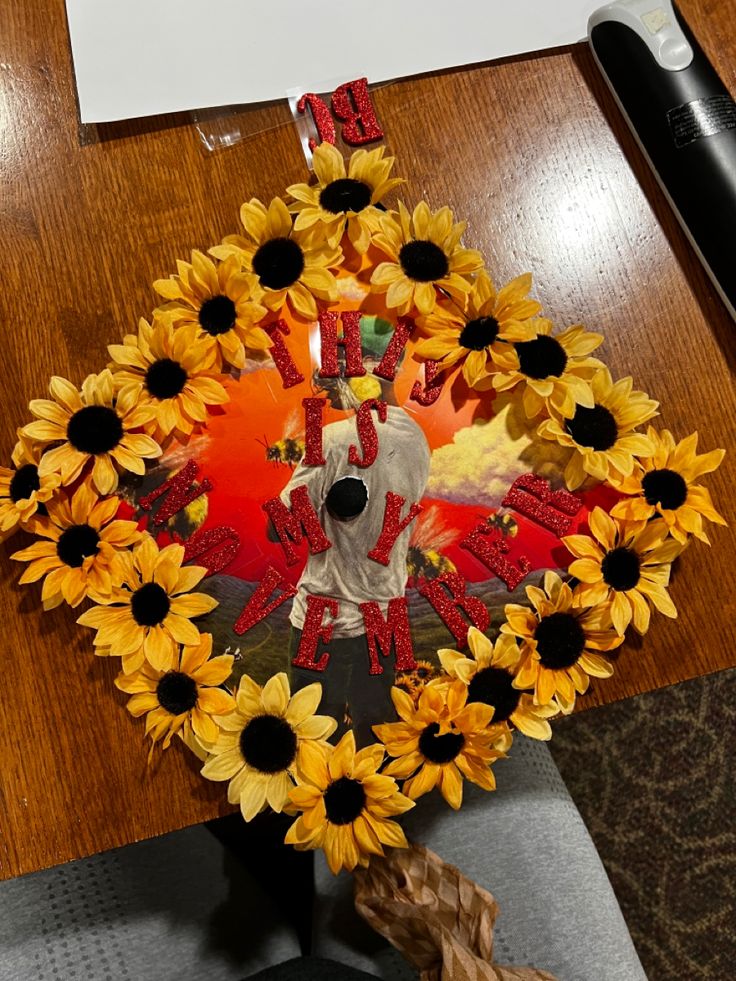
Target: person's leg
x,y
335,678
352,696
527,844
369,697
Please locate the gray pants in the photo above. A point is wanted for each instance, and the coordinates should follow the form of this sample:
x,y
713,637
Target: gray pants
x,y
349,693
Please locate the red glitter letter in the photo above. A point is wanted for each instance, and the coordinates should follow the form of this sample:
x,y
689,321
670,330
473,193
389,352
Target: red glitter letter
x,y
219,546
290,374
381,633
432,388
531,495
367,434
179,492
350,341
357,113
313,432
392,526
256,609
447,595
321,116
289,522
390,359
491,554
314,631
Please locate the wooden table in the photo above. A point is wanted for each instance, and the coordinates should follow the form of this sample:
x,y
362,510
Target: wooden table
x,y
531,150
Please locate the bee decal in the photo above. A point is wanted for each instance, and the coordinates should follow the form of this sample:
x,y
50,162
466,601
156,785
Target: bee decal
x,y
424,559
290,448
503,522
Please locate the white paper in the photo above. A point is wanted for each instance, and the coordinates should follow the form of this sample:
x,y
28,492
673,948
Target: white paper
x,y
144,57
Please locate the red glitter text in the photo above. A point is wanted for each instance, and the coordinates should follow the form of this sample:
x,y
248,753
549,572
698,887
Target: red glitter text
x,y
257,608
180,492
366,434
532,496
313,432
383,634
351,103
432,387
218,546
290,374
390,359
447,595
289,523
349,341
314,631
393,525
491,552
322,118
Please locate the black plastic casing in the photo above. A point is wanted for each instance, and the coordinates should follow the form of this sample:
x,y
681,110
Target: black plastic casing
x,y
685,121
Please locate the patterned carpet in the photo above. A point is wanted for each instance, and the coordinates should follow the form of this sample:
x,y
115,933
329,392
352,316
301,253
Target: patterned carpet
x,y
654,778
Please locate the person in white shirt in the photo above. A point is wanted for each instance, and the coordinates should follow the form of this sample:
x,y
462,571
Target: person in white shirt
x,y
350,502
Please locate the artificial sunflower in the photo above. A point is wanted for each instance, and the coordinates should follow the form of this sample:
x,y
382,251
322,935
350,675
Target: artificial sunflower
x,y
479,329
663,486
602,435
489,674
151,613
413,682
344,200
559,643
554,370
625,569
170,370
347,806
82,556
91,425
23,493
439,741
216,299
186,696
282,264
271,738
425,256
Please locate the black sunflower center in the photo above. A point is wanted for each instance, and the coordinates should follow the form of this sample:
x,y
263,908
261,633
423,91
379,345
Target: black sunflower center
x,y
492,686
440,749
278,263
344,800
268,744
24,482
423,261
217,315
542,357
94,429
176,692
345,194
560,640
594,427
479,333
165,379
621,568
75,544
347,498
149,605
666,488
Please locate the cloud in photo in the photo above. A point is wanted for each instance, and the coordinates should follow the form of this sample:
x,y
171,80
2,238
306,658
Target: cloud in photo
x,y
484,459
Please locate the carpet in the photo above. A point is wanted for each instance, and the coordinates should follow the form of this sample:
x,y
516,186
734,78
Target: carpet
x,y
653,777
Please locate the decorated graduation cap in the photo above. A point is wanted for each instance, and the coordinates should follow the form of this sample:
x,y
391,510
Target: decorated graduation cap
x,y
345,669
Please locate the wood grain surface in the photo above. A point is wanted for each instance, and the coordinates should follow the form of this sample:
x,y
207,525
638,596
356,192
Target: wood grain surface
x,y
531,151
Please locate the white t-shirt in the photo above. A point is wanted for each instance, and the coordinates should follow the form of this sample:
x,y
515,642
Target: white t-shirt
x,y
344,572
